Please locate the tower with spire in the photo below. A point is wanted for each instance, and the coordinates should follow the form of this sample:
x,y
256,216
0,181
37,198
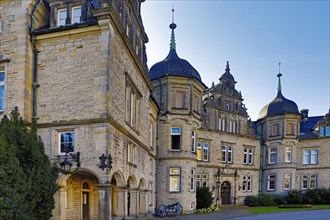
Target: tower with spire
x,y
178,89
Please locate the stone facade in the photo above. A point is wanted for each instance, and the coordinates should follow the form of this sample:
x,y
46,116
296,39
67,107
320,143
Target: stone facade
x,y
86,82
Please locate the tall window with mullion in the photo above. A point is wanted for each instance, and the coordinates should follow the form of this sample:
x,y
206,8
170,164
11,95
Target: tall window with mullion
x,y
310,156
271,182
76,14
248,156
227,154
175,138
132,105
272,156
203,151
66,142
175,179
309,181
247,183
2,91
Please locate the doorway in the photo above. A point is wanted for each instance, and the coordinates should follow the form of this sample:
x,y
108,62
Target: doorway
x,y
225,193
85,201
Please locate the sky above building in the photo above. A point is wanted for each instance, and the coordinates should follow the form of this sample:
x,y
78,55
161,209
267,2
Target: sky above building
x,y
254,36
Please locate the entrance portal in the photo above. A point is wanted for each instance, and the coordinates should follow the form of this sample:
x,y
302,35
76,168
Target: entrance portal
x,y
85,201
225,193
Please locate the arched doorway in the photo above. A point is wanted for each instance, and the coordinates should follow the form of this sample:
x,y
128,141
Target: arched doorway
x,y
225,193
114,197
142,197
117,195
85,200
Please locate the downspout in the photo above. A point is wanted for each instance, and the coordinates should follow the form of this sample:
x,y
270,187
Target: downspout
x,y
35,59
261,157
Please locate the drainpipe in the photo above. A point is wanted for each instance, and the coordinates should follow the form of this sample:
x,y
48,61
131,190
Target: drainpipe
x,y
34,68
261,157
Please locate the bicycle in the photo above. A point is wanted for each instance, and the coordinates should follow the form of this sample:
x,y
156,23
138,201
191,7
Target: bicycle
x,y
164,210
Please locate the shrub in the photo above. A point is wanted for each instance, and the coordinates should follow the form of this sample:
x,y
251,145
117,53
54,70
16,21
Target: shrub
x,y
251,201
280,200
266,199
316,196
204,197
294,197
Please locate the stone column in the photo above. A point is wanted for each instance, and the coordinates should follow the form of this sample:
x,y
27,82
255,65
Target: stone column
x,y
121,199
105,201
62,202
134,202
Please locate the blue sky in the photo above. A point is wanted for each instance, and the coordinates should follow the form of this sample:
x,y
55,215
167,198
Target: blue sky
x,y
253,36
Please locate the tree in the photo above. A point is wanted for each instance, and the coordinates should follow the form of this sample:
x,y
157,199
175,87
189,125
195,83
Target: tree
x,y
204,197
27,178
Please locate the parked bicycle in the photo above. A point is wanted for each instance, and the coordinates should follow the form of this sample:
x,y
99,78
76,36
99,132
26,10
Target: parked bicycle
x,y
172,209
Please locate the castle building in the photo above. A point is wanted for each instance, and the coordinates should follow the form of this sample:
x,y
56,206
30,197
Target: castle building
x,y
143,137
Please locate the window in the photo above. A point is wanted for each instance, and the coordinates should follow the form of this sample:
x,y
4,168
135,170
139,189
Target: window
x,y
289,129
275,129
227,154
288,154
131,153
192,180
232,126
287,181
2,91
76,14
61,17
310,156
222,124
248,156
272,156
151,166
327,131
198,180
197,103
205,180
321,131
309,181
227,107
179,99
151,136
271,182
247,184
132,103
174,179
202,151
193,141
176,138
66,142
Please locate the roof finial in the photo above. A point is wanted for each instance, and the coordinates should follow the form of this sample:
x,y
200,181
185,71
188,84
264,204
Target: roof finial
x,y
172,27
279,87
227,67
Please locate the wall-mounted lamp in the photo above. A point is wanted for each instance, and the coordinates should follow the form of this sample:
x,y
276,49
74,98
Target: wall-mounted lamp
x,y
66,164
105,161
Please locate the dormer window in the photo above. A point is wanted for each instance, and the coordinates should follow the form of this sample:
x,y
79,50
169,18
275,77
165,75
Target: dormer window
x,y
227,107
61,17
76,14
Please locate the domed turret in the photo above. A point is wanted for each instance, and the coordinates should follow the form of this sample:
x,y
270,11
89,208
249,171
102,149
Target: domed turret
x,y
173,65
280,105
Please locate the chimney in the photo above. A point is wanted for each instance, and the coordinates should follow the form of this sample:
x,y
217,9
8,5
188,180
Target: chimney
x,y
304,113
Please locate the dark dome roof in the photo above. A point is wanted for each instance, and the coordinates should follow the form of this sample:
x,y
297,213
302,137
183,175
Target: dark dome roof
x,y
172,65
279,106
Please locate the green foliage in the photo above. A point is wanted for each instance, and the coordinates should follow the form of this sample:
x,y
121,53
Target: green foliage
x,y
316,196
28,181
294,197
280,200
204,197
251,201
266,199
206,210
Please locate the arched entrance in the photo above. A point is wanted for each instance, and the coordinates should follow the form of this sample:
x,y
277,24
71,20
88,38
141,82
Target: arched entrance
x,y
225,193
142,197
117,195
114,197
131,197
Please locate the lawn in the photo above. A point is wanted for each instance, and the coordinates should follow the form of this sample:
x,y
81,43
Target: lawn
x,y
268,209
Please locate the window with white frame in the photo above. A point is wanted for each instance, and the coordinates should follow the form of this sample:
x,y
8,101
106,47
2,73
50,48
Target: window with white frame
x,y
272,156
287,181
198,180
222,124
61,17
76,14
288,154
202,151
66,142
275,130
205,180
308,181
247,184
131,153
232,126
192,180
174,179
176,138
310,156
271,182
2,91
227,154
193,141
248,156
